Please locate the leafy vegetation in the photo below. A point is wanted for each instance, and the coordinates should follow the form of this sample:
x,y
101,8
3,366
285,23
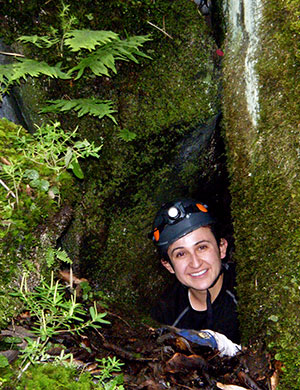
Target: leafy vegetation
x,y
63,375
79,53
55,310
54,315
57,376
33,177
38,161
33,172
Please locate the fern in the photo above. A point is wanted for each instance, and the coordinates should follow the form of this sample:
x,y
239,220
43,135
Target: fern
x,y
27,67
94,107
41,42
97,51
6,74
103,59
24,67
88,39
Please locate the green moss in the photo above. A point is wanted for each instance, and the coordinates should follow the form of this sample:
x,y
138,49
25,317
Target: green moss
x,y
264,166
45,376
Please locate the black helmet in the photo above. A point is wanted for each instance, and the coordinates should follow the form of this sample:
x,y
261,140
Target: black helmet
x,y
176,219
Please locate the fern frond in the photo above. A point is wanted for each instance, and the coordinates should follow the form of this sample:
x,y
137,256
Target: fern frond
x,y
88,39
6,74
103,59
100,63
129,47
23,67
94,107
41,42
27,67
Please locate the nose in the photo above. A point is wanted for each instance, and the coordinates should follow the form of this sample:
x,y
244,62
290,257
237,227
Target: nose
x,y
195,260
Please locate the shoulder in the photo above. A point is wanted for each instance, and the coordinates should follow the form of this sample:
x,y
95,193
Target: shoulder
x,y
173,300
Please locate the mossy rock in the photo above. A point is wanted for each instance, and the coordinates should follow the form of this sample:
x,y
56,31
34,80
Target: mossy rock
x,y
164,101
263,163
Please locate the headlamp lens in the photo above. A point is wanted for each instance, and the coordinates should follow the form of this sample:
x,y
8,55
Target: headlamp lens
x,y
173,212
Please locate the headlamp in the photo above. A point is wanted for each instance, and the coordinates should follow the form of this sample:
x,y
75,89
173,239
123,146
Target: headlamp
x,y
173,212
176,219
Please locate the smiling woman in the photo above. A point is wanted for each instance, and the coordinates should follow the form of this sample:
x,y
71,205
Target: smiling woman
x,y
202,296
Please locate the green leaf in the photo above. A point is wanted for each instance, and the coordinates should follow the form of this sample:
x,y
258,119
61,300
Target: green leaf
x,y
63,256
100,63
41,42
3,361
273,318
43,185
34,183
27,67
6,74
92,312
103,59
12,340
94,107
76,169
50,257
88,39
32,174
127,135
278,356
68,157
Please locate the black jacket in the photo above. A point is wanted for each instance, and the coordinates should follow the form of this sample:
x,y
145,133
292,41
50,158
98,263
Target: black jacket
x,y
174,308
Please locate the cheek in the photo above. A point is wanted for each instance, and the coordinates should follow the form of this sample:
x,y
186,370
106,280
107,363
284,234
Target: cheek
x,y
214,261
218,264
179,268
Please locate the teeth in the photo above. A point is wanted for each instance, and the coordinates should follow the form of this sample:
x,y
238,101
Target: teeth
x,y
199,273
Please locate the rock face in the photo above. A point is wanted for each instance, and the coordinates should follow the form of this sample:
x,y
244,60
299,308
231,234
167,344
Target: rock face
x,y
261,83
243,19
172,104
9,107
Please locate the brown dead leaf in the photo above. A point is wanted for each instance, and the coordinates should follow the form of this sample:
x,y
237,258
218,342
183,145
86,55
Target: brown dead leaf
x,y
182,363
229,387
274,380
4,161
66,276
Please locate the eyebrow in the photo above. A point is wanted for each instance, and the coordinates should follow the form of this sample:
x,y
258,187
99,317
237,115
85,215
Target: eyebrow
x,y
182,247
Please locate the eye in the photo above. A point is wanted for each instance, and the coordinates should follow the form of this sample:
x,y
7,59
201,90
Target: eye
x,y
202,247
179,254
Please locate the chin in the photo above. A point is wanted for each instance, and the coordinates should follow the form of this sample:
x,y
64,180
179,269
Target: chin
x,y
199,286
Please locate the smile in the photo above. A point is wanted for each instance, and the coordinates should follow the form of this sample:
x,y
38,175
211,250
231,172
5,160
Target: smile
x,y
200,272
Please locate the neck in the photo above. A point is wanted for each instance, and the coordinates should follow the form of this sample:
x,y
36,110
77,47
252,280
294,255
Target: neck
x,y
198,297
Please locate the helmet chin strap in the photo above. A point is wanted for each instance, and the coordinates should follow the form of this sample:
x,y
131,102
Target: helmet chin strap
x,y
210,319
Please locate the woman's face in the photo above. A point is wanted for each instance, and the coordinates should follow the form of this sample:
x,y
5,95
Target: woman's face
x,y
196,258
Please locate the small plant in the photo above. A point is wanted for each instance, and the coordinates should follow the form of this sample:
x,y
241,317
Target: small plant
x,y
41,158
108,367
55,149
54,314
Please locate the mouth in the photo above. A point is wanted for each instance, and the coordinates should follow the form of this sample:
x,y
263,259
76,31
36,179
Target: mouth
x,y
200,273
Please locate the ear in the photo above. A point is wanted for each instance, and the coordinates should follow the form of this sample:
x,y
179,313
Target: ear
x,y
223,247
168,266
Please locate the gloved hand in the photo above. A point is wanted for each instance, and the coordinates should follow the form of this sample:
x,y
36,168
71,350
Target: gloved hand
x,y
211,339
